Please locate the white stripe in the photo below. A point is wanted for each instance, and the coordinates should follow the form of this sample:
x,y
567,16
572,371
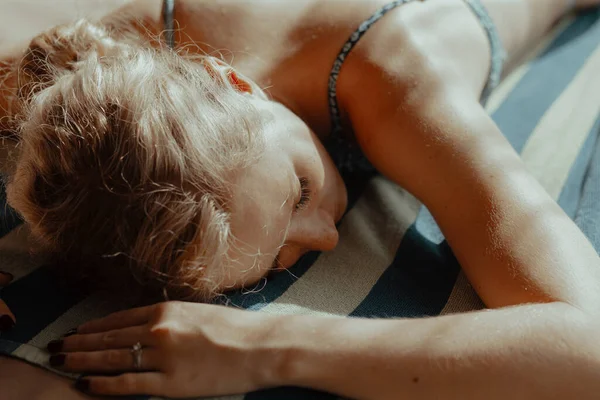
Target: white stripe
x,y
463,297
38,357
371,233
557,140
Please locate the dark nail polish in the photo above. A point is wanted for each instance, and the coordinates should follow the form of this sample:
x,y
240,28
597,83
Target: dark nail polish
x,y
70,332
8,275
83,385
55,346
6,323
57,360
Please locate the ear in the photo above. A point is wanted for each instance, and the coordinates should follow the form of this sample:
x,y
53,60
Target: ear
x,y
238,83
218,70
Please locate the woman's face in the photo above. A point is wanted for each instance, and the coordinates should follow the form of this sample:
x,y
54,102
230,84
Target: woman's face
x,y
285,204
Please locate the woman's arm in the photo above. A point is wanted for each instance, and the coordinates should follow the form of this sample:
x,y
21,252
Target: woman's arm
x,y
545,351
418,120
513,241
526,352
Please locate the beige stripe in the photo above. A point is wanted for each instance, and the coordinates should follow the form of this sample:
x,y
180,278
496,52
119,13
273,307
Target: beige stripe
x,y
371,233
550,152
557,140
463,297
510,82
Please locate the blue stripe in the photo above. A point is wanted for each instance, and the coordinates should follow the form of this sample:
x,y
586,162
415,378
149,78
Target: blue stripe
x,y
289,393
418,283
277,285
36,300
9,220
7,346
588,214
548,77
570,195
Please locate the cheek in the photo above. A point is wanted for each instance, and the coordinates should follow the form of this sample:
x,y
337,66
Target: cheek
x,y
239,275
289,255
333,186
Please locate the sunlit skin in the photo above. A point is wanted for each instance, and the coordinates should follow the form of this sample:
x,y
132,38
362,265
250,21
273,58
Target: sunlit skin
x,y
294,209
409,94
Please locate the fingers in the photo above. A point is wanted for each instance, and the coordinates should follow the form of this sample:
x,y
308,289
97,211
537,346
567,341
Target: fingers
x,y
118,320
114,360
126,384
115,339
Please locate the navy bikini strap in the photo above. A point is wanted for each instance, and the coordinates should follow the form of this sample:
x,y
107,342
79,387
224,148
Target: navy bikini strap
x,y
498,55
334,109
168,20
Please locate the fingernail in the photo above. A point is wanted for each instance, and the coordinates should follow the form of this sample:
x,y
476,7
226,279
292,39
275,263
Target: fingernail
x,y
57,360
83,385
70,332
8,275
55,346
6,323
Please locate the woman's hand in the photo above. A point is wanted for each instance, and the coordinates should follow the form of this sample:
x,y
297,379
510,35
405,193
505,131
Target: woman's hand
x,y
188,349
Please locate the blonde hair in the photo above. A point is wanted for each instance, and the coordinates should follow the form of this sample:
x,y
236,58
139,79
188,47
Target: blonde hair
x,y
127,158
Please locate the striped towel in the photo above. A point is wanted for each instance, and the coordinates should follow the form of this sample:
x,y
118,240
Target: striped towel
x,y
392,260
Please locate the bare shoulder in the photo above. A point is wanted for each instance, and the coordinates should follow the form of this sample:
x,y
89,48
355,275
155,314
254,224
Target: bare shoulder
x,y
22,20
412,86
415,49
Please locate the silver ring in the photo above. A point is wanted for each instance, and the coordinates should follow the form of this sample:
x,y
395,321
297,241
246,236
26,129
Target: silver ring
x,y
136,352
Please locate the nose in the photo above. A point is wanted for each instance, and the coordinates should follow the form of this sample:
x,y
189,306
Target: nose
x,y
314,232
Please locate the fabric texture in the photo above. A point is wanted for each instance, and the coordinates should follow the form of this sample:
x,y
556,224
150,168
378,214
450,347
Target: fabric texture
x,y
392,260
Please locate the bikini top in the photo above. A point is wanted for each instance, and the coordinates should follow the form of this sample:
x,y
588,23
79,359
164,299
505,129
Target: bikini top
x,y
344,151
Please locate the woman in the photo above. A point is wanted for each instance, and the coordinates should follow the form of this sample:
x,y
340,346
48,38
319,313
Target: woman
x,y
202,183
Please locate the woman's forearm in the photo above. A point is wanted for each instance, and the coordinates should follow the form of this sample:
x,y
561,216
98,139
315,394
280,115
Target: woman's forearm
x,y
515,244
525,352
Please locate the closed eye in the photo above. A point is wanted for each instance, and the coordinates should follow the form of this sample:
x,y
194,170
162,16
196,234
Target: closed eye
x,y
304,200
303,203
